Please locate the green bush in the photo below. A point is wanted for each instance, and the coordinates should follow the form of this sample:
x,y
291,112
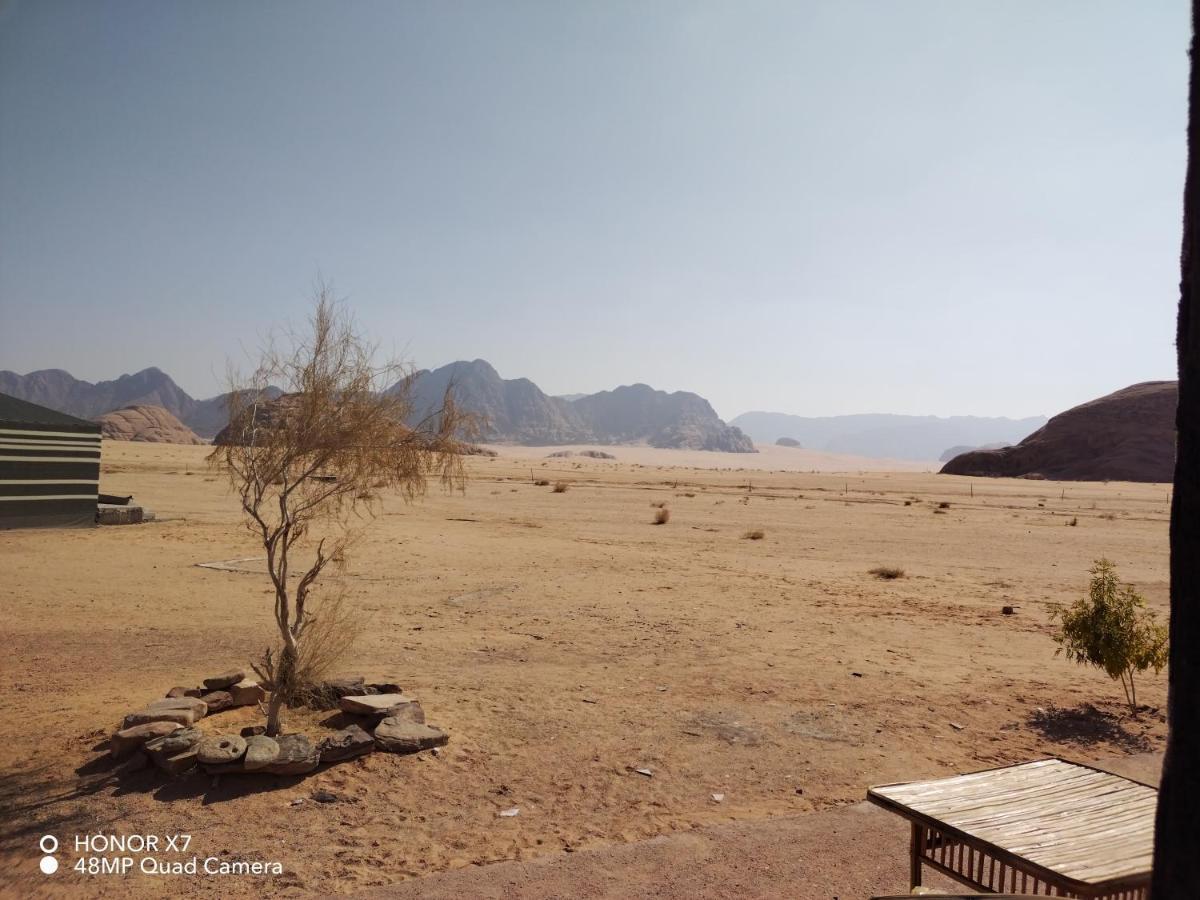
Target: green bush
x,y
1111,629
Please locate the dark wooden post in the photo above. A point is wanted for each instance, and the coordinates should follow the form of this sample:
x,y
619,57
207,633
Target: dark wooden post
x,y
1176,860
916,850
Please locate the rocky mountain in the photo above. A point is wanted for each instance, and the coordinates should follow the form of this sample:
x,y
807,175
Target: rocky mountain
x,y
60,390
885,436
1128,435
514,410
151,424
637,413
518,411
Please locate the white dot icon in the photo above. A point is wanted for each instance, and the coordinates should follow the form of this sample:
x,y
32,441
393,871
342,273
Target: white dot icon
x,y
48,865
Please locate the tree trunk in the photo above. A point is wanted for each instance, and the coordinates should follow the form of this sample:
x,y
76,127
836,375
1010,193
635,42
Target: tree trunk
x,y
1176,862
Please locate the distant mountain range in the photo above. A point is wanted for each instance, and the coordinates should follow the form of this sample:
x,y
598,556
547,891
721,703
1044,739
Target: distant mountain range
x,y
883,435
518,411
514,410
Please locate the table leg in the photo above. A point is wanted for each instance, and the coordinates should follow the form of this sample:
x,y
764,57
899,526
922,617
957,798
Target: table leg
x,y
915,851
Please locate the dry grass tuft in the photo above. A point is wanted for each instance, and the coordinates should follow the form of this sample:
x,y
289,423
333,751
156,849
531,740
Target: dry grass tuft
x,y
560,487
756,535
945,504
662,516
887,573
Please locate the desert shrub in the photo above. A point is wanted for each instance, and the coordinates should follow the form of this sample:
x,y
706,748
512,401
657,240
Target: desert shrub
x,y
1111,629
908,503
542,482
560,487
662,516
887,573
1074,521
945,504
756,535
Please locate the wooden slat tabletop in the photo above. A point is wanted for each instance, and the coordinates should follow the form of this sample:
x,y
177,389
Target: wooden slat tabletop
x,y
1087,825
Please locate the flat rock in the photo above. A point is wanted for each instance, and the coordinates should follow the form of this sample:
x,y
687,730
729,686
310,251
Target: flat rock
x,y
224,680
396,735
246,693
261,751
383,705
177,764
183,710
297,756
178,692
348,743
175,742
221,748
217,701
128,740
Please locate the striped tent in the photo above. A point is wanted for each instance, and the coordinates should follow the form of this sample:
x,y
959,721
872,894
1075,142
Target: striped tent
x,y
49,467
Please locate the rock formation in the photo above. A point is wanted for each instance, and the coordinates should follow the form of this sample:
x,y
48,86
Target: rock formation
x,y
1128,435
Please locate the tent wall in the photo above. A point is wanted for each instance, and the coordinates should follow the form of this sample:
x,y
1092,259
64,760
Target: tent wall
x,y
49,475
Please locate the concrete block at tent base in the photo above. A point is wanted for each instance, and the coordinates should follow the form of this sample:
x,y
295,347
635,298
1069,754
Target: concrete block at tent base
x,y
119,515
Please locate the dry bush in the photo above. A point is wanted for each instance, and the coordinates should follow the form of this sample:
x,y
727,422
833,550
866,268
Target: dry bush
x,y
662,516
541,482
1074,521
756,535
945,504
304,468
887,573
560,487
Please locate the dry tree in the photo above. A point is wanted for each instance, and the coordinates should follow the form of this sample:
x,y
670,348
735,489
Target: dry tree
x,y
306,467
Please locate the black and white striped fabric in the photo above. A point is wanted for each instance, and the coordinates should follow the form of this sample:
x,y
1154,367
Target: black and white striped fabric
x,y
49,467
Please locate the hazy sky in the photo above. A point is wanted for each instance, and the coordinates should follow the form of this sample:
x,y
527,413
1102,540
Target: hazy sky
x,y
811,207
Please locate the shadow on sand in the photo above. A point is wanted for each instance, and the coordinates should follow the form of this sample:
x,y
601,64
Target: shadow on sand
x,y
1087,724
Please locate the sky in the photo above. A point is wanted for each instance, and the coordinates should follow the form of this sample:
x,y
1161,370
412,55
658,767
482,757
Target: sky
x,y
949,208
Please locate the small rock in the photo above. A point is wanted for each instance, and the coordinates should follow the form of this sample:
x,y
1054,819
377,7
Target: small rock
x,y
128,740
398,735
1008,610
718,798
252,730
224,680
261,751
184,710
195,692
216,701
323,796
299,801
383,687
177,692
645,772
175,742
509,813
221,749
297,756
348,743
957,727
247,693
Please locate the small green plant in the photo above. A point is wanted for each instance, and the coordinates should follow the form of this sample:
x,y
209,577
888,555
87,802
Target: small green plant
x,y
1111,629
887,573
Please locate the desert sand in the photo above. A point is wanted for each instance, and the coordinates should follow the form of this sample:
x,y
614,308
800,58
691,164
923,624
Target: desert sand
x,y
564,641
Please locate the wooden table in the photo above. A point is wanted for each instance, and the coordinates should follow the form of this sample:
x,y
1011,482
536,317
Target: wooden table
x,y
1049,827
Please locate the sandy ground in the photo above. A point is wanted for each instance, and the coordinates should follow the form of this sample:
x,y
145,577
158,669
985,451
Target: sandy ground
x,y
565,641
